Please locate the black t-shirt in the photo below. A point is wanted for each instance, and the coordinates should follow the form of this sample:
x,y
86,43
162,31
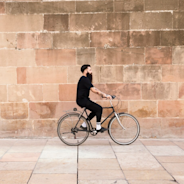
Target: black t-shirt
x,y
83,87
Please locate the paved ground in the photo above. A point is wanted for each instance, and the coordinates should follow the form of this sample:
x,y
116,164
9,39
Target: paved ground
x,y
97,161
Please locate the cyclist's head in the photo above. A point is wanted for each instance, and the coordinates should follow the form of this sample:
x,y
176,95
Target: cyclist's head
x,y
86,67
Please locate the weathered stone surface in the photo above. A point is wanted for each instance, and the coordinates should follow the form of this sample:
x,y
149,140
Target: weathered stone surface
x,y
178,20
127,91
85,22
143,108
178,55
50,92
161,5
160,91
181,90
181,5
94,6
118,21
14,110
111,74
55,57
142,74
67,92
24,93
171,108
8,40
86,55
158,55
106,39
17,57
128,5
45,110
172,127
8,75
120,55
172,38
3,93
172,73
40,7
142,20
40,75
2,7
18,23
21,75
70,40
144,38
56,22
34,40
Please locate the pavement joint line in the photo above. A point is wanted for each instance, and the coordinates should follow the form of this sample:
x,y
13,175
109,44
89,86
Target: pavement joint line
x,y
118,161
36,163
174,180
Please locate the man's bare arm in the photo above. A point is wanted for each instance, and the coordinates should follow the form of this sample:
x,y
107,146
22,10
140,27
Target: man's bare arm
x,y
97,91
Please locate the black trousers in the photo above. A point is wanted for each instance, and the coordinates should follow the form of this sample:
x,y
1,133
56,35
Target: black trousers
x,y
96,109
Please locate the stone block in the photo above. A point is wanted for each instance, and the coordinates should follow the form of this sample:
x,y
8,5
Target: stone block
x,y
86,55
55,57
143,109
128,5
17,57
178,18
109,39
111,74
178,55
118,21
181,90
18,23
142,20
3,93
160,91
142,74
24,93
40,7
56,22
67,92
172,38
144,38
51,92
14,110
158,55
8,40
86,22
94,6
119,56
8,75
21,75
71,40
34,40
161,5
171,108
2,7
172,73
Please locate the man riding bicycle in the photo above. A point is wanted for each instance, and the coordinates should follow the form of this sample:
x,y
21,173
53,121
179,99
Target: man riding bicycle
x,y
83,100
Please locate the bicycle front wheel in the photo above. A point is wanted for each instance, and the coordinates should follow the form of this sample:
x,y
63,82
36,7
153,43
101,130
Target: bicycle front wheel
x,y
126,131
69,133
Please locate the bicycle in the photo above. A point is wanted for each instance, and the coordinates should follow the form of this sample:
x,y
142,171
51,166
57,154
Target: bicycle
x,y
122,125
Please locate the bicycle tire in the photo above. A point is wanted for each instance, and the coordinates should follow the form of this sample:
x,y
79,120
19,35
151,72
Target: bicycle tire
x,y
110,128
61,120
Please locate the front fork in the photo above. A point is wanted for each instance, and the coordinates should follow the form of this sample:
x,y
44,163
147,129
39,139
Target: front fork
x,y
119,120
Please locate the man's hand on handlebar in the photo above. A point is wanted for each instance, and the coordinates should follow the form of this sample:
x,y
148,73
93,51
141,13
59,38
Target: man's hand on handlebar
x,y
107,96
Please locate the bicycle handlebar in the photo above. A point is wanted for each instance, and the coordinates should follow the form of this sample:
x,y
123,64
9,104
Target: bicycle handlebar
x,y
113,96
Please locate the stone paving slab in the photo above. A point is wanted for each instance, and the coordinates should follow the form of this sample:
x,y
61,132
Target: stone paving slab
x,y
96,161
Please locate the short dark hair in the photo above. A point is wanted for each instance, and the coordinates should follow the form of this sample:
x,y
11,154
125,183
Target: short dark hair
x,y
83,67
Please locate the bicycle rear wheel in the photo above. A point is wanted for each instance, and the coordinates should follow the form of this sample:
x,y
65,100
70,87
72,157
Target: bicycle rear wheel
x,y
68,133
124,136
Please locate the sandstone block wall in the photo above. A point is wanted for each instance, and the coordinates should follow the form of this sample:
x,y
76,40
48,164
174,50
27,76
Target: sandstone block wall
x,y
135,48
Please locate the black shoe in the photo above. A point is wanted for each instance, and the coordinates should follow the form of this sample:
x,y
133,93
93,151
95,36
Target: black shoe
x,y
102,130
84,128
